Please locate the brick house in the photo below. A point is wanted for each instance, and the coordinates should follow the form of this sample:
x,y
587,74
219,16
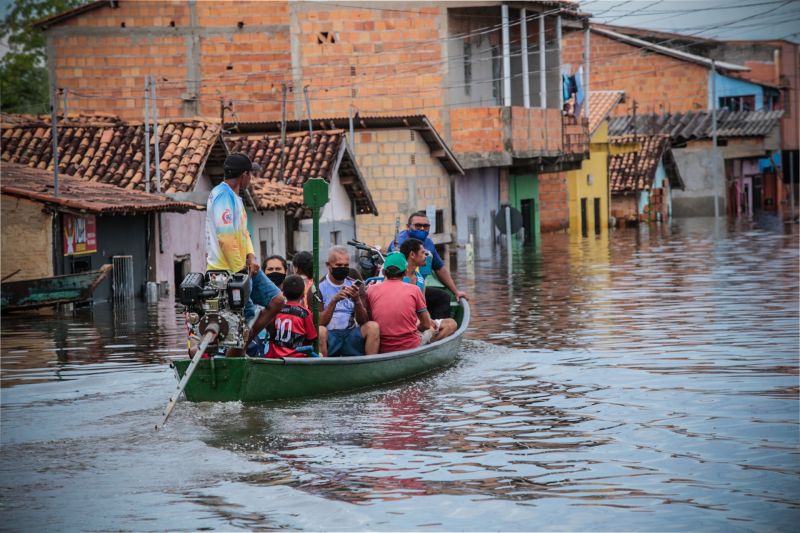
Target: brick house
x,y
404,160
498,108
280,223
110,151
663,73
36,223
642,175
744,138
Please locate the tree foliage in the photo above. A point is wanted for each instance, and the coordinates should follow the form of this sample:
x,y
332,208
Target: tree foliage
x,y
23,74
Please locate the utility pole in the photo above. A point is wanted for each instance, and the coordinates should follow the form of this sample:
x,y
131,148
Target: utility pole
x,y
308,114
283,130
54,131
586,57
155,134
714,173
146,143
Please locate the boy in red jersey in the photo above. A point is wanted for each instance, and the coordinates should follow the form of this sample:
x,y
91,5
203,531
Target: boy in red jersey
x,y
294,325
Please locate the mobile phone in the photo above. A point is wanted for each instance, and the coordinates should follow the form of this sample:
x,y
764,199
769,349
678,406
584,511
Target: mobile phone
x,y
358,283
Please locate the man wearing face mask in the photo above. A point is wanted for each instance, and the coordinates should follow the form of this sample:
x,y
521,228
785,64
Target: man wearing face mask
x,y
343,312
438,300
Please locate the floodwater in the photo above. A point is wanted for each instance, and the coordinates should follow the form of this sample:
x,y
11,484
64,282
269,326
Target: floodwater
x,y
647,381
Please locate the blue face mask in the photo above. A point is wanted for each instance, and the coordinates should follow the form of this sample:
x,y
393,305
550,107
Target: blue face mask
x,y
418,234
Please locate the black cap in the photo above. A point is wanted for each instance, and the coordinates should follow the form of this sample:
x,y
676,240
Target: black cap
x,y
236,164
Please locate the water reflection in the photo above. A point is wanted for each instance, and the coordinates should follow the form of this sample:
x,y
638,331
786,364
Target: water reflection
x,y
646,380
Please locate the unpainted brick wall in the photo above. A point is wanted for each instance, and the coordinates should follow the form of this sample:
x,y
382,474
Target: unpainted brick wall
x,y
553,205
657,83
27,239
398,186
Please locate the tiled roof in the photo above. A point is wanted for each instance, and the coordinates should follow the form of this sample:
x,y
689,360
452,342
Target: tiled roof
x,y
634,171
601,103
693,125
77,194
307,156
107,150
418,123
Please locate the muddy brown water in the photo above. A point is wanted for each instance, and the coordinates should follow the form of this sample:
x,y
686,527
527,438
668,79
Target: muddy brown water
x,y
647,381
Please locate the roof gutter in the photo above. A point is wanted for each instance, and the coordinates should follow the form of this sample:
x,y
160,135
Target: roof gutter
x,y
684,56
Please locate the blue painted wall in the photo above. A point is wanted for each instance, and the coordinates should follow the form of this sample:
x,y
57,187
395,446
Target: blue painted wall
x,y
735,87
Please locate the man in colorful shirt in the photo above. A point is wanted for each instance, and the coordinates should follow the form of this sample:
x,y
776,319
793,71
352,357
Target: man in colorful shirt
x,y
228,244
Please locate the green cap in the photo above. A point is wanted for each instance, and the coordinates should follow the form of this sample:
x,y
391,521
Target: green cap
x,y
397,261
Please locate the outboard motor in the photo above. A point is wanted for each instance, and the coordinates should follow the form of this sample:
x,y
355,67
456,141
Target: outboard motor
x,y
219,298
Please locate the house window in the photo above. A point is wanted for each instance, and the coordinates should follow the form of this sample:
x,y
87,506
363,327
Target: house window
x,y
336,238
738,103
772,100
265,242
440,221
497,74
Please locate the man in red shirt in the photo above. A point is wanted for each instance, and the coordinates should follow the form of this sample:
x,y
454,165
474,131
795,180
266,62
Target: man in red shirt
x,y
294,326
397,307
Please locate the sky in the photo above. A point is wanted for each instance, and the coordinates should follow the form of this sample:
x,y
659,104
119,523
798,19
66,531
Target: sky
x,y
715,19
721,19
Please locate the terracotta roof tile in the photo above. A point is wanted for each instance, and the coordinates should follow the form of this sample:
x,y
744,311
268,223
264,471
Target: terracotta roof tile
x,y
108,150
601,103
78,194
306,156
635,170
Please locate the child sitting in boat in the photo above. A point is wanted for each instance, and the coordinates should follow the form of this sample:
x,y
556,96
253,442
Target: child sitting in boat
x,y
293,329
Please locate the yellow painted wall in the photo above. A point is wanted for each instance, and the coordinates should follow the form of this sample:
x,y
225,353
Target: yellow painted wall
x,y
579,187
26,239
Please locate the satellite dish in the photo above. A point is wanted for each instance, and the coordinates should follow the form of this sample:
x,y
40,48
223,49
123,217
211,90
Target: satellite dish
x,y
500,220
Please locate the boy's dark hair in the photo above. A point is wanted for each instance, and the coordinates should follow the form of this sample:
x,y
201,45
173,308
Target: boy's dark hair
x,y
417,214
393,273
293,287
304,262
410,245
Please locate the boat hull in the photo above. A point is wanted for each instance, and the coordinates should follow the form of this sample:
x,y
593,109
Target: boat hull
x,y
258,380
42,292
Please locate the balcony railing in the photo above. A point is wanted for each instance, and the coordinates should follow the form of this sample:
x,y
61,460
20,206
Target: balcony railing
x,y
497,136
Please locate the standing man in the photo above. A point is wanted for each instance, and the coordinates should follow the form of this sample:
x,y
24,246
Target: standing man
x,y
228,244
343,312
418,227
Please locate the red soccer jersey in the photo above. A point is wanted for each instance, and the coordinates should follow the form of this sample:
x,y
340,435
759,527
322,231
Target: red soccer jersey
x,y
294,327
395,306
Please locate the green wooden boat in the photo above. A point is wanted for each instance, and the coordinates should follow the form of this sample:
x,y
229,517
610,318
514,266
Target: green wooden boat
x,y
43,292
258,380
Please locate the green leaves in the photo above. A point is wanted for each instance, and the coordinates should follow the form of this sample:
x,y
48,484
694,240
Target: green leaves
x,y
23,75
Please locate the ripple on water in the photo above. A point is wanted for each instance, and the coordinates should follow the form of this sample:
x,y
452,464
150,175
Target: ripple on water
x,y
642,382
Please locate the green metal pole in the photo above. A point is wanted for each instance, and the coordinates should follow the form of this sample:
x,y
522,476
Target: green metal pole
x,y
315,266
315,195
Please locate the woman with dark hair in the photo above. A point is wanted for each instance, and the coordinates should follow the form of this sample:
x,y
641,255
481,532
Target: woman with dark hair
x,y
303,266
275,268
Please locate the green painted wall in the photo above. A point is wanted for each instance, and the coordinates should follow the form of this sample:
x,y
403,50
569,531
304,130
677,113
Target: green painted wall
x,y
526,187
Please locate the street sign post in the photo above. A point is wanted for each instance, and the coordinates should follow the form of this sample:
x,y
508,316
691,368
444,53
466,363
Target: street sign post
x,y
315,196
